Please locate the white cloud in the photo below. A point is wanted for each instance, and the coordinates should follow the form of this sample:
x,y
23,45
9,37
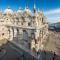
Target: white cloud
x,y
53,15
54,11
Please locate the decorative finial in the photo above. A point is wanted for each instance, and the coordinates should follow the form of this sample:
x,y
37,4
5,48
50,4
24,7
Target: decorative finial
x,y
8,7
34,9
25,7
34,5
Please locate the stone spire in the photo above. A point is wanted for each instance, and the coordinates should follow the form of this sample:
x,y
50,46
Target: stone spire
x,y
34,8
8,7
26,7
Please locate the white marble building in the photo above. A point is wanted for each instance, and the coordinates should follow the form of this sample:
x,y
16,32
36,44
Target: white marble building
x,y
26,27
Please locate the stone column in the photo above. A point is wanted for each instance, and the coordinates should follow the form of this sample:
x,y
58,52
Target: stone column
x,y
9,31
17,35
11,34
37,34
15,32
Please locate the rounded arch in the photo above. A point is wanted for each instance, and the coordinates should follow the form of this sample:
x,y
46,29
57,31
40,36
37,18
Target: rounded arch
x,y
25,35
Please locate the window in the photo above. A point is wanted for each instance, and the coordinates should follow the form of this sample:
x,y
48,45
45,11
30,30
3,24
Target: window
x,y
32,35
42,19
7,19
35,41
17,18
25,35
22,23
17,29
24,30
29,24
33,17
2,34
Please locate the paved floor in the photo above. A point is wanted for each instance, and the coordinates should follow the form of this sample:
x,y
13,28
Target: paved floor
x,y
14,53
10,54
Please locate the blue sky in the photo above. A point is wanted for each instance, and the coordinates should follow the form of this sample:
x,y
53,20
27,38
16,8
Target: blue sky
x,y
15,4
53,10
51,7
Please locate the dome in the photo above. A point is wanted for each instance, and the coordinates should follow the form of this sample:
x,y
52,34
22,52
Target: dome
x,y
27,9
8,11
20,10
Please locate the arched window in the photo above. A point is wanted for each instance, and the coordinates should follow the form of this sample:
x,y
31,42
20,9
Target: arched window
x,y
25,35
42,19
29,24
7,19
2,34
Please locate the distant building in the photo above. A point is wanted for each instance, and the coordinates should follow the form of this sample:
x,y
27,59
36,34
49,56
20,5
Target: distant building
x,y
26,27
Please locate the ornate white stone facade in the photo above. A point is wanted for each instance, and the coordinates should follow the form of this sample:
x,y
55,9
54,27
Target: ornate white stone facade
x,y
28,27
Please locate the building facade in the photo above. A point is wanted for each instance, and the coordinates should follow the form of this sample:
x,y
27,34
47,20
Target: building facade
x,y
26,27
